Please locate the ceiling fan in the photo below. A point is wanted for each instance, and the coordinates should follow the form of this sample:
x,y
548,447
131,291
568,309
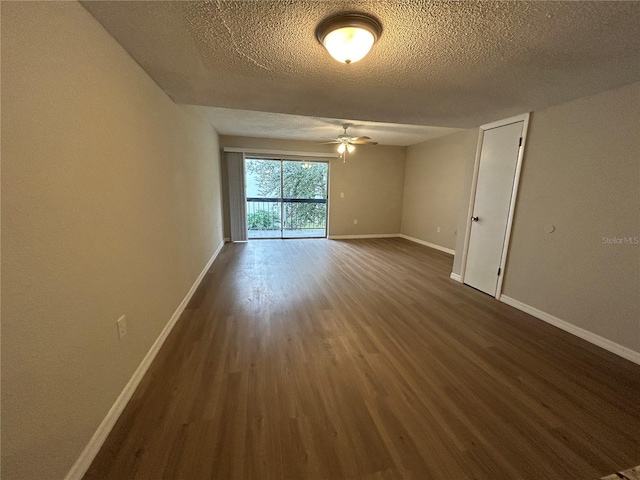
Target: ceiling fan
x,y
346,144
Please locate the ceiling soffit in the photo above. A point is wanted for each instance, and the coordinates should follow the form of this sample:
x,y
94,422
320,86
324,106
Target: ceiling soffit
x,y
451,64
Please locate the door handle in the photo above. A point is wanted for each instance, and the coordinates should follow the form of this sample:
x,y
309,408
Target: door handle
x,y
474,219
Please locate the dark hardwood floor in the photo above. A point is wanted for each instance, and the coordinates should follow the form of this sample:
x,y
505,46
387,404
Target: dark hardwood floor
x,y
320,359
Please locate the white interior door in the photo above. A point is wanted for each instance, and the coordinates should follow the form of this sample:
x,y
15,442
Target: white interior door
x,y
495,181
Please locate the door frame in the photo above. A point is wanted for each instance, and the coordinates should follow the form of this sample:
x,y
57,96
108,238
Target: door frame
x,y
514,194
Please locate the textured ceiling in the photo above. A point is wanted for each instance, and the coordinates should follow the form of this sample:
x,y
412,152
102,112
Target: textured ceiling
x,y
449,64
298,127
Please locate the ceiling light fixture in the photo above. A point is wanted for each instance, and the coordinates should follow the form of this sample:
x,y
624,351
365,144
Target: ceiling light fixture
x,y
346,146
348,37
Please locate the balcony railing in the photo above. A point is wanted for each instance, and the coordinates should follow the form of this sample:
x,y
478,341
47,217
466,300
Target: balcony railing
x,y
289,217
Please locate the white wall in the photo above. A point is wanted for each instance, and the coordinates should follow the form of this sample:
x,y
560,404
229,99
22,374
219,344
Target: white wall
x,y
111,206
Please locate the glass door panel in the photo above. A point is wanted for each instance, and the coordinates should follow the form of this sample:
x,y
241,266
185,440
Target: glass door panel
x,y
304,197
263,183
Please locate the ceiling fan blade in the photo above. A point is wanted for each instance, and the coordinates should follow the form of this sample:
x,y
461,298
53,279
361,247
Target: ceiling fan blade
x,y
346,140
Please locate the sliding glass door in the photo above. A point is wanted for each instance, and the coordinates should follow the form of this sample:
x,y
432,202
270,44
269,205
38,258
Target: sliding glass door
x,y
286,198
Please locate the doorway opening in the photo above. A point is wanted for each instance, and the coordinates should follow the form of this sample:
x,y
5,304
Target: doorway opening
x,y
286,198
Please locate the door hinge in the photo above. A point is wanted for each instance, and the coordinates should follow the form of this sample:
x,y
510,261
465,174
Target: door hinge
x,y
520,142
499,270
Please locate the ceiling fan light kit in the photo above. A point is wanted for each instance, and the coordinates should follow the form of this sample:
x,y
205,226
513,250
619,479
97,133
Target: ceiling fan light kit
x,y
347,144
348,37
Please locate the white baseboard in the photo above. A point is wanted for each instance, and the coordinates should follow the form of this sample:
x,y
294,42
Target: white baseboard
x,y
427,244
372,235
456,277
602,342
91,450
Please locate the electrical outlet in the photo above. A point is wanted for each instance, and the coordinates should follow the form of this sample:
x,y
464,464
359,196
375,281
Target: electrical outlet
x,y
438,229
122,326
355,222
341,194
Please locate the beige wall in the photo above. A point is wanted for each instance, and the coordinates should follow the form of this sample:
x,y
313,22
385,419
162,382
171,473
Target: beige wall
x,y
110,206
371,180
581,174
463,209
434,185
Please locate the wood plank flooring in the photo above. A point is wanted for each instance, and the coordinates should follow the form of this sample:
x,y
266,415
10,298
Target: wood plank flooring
x,y
362,360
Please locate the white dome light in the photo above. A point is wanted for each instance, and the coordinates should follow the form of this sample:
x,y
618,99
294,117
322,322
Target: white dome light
x,y
349,37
